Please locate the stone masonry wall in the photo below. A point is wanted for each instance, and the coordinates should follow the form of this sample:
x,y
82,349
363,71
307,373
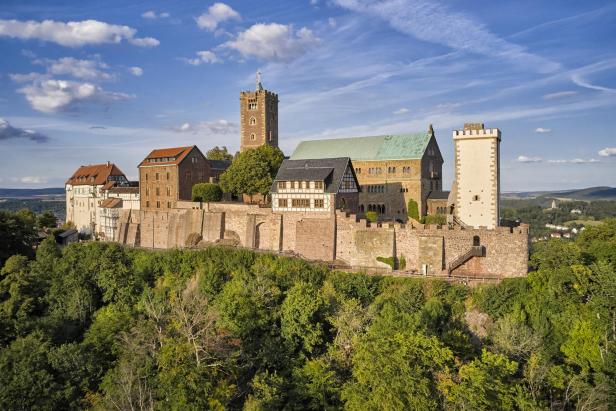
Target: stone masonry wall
x,y
337,236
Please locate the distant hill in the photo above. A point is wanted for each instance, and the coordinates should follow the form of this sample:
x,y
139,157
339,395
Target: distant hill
x,y
584,194
30,192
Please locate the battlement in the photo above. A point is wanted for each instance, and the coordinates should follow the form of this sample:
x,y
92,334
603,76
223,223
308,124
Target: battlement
x,y
487,132
257,92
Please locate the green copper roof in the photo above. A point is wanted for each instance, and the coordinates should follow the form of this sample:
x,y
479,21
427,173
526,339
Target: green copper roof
x,y
365,148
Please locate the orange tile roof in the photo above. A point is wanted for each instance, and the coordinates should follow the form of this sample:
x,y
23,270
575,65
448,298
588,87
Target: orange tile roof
x,y
176,153
111,202
94,174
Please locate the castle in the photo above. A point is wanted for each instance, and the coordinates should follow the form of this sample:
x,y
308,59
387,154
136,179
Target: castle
x,y
323,192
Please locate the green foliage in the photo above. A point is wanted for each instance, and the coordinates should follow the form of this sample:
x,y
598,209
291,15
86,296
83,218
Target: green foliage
x,y
46,220
372,216
390,261
17,234
206,192
100,326
218,153
438,219
412,209
252,171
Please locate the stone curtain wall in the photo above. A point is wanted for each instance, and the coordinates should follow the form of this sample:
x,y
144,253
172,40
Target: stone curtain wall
x,y
336,236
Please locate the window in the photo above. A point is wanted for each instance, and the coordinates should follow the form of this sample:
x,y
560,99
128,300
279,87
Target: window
x,y
476,241
318,185
146,176
282,203
281,185
304,184
156,176
147,204
391,170
300,203
147,191
252,105
406,170
358,171
168,191
253,136
253,121
157,191
168,204
318,203
194,159
475,197
158,204
167,176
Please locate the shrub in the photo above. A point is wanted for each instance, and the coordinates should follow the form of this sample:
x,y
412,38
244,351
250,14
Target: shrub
x,y
412,209
390,261
372,216
206,192
439,219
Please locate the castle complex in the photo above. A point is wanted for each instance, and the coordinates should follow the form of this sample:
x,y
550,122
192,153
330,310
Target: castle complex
x,y
323,192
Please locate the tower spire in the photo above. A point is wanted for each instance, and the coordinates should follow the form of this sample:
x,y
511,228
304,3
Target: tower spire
x,y
259,86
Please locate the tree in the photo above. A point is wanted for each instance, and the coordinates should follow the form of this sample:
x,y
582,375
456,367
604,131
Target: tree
x,y
17,234
372,216
439,219
412,209
47,220
218,153
252,171
206,192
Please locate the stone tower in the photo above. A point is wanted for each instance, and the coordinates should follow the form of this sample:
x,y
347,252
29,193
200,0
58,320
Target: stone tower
x,y
258,117
477,184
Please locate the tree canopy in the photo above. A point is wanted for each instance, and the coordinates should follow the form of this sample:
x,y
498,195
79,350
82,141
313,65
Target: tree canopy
x,y
218,153
252,171
206,192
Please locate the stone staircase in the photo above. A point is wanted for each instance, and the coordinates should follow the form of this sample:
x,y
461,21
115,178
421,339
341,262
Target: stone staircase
x,y
474,251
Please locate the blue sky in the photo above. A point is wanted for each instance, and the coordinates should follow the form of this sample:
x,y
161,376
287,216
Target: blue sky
x,y
89,81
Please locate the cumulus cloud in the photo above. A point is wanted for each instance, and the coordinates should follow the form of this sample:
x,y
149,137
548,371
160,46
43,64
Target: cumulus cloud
x,y
50,95
402,110
528,159
211,127
542,130
7,131
73,33
273,42
151,15
205,56
136,71
33,180
608,152
559,94
216,14
82,69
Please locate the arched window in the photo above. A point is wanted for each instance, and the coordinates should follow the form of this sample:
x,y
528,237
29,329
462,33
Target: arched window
x,y
253,136
252,121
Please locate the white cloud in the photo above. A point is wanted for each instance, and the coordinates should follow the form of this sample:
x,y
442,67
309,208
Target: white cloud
x,y
273,42
205,56
608,152
402,110
50,95
216,14
527,159
332,22
211,127
7,131
574,161
559,94
23,78
82,69
543,130
430,21
33,180
73,33
151,15
136,71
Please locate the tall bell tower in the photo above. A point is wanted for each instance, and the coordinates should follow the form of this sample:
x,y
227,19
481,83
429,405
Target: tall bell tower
x,y
258,117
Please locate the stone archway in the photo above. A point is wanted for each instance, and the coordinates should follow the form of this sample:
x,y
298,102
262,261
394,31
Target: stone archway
x,y
262,236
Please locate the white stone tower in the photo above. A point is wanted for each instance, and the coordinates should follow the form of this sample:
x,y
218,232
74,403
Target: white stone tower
x,y
477,158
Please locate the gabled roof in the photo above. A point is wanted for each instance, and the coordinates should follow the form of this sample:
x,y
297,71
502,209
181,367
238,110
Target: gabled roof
x,y
388,147
166,156
219,164
94,174
328,170
438,195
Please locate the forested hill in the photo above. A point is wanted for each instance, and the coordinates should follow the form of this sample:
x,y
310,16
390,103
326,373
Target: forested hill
x,y
103,327
583,194
30,192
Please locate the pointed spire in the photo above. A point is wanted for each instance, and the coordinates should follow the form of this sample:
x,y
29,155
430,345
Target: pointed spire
x,y
431,130
258,81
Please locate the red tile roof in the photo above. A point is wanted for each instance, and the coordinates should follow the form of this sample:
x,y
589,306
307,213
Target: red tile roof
x,y
173,155
94,174
111,203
